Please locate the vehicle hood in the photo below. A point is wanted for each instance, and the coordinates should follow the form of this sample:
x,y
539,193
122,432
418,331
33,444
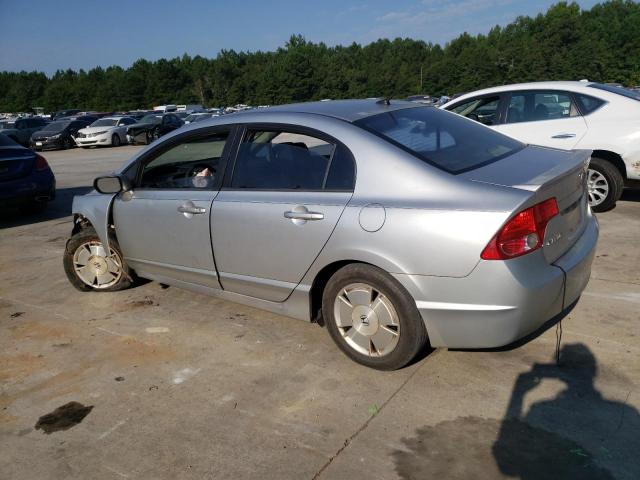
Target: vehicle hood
x,y
87,130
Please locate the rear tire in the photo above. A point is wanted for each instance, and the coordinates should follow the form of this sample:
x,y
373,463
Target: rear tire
x,y
88,268
605,184
372,318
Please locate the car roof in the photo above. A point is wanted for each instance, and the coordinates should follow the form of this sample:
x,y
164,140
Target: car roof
x,y
572,86
349,110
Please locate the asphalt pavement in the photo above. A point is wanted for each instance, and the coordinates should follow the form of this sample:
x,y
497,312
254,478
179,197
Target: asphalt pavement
x,y
160,383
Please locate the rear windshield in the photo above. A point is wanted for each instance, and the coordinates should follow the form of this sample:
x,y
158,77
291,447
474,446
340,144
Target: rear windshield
x,y
445,140
625,92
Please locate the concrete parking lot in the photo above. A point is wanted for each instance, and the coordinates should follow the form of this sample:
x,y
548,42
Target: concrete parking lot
x,y
170,384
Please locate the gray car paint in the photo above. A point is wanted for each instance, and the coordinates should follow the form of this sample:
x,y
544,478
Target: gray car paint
x,y
434,228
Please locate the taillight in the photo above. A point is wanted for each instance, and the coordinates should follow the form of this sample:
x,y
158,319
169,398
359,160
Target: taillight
x,y
523,233
41,163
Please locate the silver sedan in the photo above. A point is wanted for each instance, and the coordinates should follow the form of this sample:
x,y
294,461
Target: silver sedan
x,y
393,224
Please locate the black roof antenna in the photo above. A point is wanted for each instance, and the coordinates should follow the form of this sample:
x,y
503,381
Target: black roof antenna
x,y
384,101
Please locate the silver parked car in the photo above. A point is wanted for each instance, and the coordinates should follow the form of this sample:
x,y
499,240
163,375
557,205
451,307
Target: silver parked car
x,y
392,223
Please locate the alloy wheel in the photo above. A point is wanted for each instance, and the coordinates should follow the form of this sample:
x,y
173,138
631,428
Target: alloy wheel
x,y
367,320
597,187
94,267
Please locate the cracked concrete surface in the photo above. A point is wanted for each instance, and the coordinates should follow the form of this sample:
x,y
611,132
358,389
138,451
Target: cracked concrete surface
x,y
187,386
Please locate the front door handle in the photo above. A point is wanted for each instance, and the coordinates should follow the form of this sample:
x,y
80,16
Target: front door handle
x,y
564,135
191,209
304,215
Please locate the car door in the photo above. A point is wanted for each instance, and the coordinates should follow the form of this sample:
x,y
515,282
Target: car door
x,y
162,224
544,117
278,208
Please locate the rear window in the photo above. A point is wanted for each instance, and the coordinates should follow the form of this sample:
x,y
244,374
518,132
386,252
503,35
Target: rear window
x,y
625,92
442,139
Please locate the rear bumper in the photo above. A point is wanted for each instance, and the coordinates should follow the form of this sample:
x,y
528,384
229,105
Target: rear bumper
x,y
39,186
501,302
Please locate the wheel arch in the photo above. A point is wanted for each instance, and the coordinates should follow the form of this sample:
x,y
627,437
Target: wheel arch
x,y
96,211
613,158
320,281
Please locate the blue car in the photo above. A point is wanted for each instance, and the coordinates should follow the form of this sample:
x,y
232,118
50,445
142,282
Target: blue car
x,y
26,180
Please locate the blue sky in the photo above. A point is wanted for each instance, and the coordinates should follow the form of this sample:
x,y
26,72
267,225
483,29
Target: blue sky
x,y
48,35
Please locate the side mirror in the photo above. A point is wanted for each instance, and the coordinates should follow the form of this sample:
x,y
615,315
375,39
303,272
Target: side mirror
x,y
110,184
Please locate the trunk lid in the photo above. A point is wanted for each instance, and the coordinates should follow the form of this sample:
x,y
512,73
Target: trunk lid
x,y
15,163
546,173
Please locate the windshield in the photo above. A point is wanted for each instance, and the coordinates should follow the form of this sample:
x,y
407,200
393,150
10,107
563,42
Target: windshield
x,y
105,122
625,92
56,126
443,139
151,119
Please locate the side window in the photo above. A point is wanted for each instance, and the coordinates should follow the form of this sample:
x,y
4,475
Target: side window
x,y
540,105
483,110
280,160
342,172
191,164
21,124
589,104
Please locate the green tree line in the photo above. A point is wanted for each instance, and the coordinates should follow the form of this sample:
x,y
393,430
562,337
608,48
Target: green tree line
x,y
601,43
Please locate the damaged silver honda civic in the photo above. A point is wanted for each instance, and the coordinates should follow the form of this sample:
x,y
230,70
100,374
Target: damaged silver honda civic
x,y
393,224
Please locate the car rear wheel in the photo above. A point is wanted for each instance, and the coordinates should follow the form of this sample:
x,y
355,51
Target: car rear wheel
x,y
115,141
89,267
372,318
604,184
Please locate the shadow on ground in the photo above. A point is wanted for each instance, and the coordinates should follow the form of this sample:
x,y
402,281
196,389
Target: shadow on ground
x,y
58,208
578,434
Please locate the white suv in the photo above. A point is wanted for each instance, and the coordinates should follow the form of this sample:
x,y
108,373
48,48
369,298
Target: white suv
x,y
569,115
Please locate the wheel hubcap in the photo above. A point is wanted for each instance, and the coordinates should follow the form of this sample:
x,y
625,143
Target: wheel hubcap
x,y
597,187
367,320
94,267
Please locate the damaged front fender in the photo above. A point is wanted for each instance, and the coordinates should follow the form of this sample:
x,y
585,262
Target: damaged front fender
x,y
96,209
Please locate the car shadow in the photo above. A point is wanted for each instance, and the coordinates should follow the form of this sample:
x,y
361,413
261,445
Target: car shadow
x,y
60,207
630,195
576,434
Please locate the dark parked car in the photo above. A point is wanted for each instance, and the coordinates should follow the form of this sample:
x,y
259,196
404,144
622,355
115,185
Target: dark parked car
x,y
20,130
57,135
26,181
65,113
153,126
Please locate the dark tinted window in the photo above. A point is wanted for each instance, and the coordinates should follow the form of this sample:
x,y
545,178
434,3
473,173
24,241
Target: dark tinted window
x,y
190,164
440,138
625,92
483,110
540,105
342,172
589,104
278,160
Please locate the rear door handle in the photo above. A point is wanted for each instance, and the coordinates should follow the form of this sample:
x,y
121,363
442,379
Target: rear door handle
x,y
192,209
304,215
564,135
